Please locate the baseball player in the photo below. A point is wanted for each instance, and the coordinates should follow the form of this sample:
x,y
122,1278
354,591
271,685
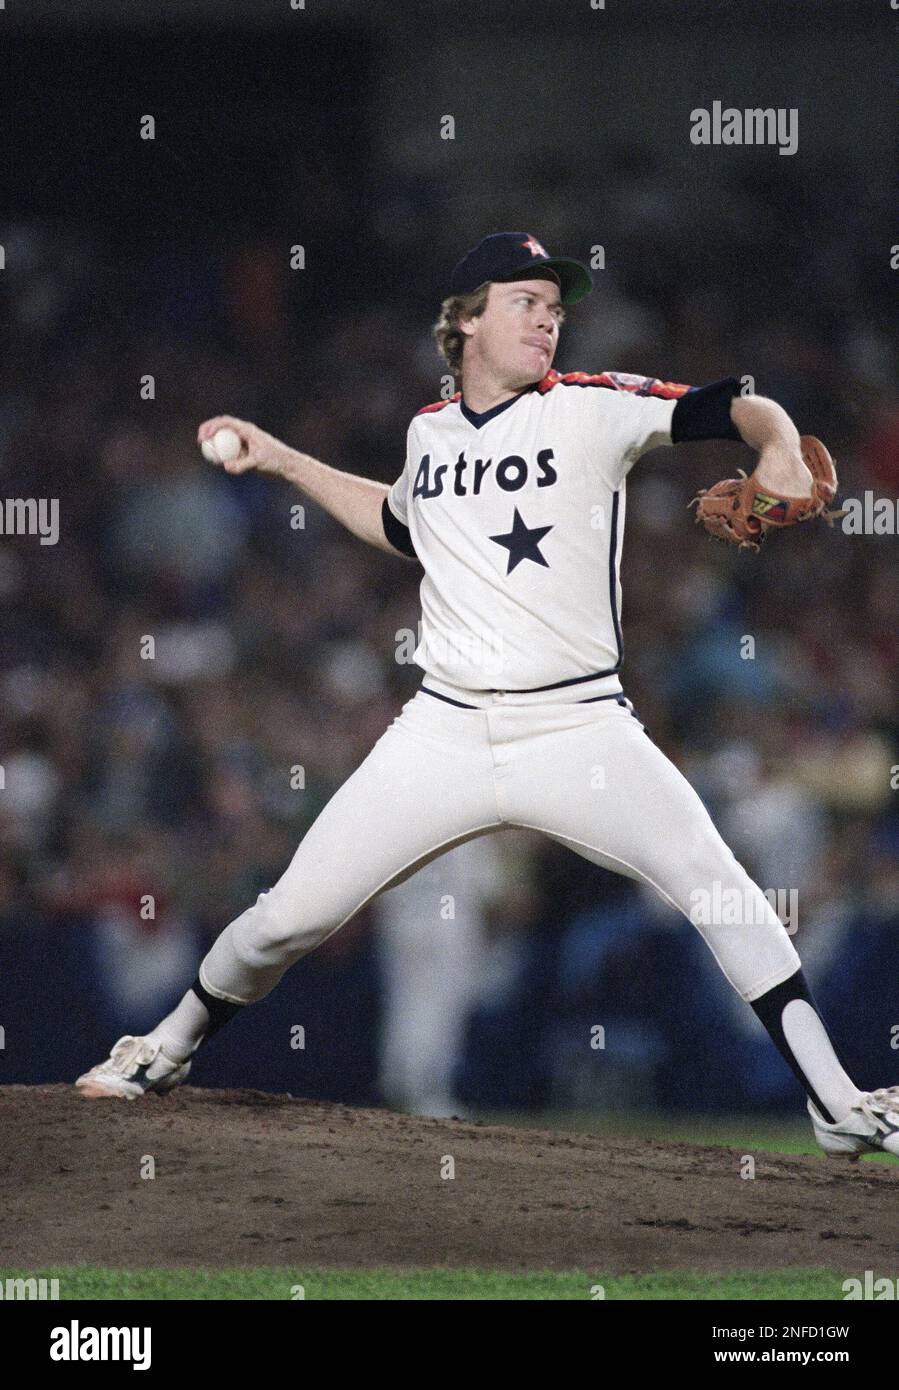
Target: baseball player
x,y
512,500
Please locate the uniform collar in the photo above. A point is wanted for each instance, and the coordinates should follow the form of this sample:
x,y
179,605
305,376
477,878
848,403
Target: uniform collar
x,y
479,418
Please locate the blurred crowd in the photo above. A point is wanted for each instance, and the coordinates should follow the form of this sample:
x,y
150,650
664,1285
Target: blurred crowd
x,y
197,665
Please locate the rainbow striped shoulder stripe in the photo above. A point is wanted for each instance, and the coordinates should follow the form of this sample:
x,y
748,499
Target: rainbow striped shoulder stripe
x,y
611,381
616,381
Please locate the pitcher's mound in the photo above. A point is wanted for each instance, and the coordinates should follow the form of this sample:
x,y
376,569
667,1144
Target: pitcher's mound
x,y
243,1177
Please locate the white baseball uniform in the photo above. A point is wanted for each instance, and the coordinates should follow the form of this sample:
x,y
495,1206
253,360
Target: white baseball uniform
x,y
517,517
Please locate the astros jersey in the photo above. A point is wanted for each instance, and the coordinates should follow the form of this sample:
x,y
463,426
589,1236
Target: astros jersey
x,y
517,516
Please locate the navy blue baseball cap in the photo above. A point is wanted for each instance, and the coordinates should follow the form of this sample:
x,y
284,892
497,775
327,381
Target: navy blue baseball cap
x,y
509,256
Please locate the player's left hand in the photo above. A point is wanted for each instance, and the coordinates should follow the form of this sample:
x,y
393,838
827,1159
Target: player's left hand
x,y
742,510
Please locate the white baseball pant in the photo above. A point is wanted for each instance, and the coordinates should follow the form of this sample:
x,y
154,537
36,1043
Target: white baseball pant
x,y
581,771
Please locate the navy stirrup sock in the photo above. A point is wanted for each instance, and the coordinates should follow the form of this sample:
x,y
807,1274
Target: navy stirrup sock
x,y
220,1011
770,1009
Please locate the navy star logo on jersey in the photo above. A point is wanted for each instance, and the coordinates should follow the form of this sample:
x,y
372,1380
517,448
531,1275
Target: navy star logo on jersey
x,y
522,543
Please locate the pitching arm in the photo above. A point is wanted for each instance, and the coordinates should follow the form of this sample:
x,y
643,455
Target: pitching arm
x,y
357,503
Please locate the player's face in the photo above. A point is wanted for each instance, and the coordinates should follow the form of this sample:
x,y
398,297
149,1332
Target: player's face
x,y
518,332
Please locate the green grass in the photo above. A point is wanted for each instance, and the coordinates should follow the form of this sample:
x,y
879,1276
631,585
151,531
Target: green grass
x,y
83,1282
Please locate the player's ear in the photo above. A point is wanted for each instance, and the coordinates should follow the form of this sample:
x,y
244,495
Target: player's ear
x,y
467,320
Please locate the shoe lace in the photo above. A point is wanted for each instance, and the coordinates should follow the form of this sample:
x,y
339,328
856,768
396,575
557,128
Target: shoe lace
x,y
875,1104
126,1051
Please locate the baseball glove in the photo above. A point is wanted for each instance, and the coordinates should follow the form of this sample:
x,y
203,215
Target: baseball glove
x,y
741,511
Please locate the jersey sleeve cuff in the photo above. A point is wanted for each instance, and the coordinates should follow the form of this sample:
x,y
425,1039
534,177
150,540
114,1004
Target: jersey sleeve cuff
x,y
398,535
704,412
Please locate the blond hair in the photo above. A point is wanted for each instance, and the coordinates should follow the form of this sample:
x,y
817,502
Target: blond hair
x,y
447,332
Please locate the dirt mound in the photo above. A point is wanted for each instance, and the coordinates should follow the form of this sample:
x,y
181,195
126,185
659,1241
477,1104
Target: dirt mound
x,y
243,1177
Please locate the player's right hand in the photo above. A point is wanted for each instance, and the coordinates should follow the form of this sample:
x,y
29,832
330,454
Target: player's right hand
x,y
260,450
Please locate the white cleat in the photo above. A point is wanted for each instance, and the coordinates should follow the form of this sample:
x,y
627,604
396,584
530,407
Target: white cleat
x,y
872,1125
133,1068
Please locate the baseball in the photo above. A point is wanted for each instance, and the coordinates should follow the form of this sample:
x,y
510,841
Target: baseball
x,y
224,445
